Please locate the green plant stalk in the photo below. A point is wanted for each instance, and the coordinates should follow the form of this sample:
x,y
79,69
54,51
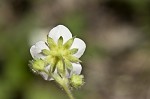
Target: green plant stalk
x,y
65,85
68,92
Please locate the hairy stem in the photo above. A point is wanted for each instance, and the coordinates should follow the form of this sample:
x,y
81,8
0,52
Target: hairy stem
x,y
68,92
64,85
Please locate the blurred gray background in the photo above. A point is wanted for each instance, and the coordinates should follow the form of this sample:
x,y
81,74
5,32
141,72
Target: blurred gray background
x,y
116,63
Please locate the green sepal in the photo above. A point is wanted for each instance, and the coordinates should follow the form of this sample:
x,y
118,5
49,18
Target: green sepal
x,y
52,61
53,64
68,44
51,42
46,52
60,67
74,50
77,81
31,66
68,64
53,67
60,41
38,65
74,59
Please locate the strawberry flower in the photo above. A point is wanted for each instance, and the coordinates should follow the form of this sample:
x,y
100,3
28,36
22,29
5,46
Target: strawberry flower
x,y
59,54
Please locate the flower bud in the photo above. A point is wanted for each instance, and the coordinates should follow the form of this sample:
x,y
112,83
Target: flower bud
x,y
38,65
77,80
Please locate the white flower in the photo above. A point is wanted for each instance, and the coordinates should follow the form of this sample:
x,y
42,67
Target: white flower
x,y
60,47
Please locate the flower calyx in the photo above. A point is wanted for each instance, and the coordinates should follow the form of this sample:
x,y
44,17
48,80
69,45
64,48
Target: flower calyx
x,y
77,81
38,65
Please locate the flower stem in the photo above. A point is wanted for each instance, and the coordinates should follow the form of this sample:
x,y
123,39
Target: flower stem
x,y
68,92
64,85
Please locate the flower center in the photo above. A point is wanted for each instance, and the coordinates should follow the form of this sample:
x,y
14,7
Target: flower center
x,y
60,54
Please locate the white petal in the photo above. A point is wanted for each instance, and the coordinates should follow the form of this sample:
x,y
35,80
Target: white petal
x,y
55,73
58,31
45,76
77,68
80,45
36,50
